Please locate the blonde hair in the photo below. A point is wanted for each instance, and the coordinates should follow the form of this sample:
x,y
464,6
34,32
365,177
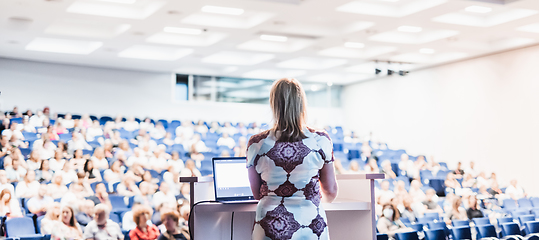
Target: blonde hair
x,y
289,105
139,210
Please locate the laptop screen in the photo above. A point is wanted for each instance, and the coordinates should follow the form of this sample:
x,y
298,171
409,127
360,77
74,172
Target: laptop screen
x,y
231,180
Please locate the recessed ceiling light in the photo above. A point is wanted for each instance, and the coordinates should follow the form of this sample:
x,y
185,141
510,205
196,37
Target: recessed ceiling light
x,y
154,53
275,38
478,9
190,31
412,29
426,50
354,45
120,1
63,46
222,10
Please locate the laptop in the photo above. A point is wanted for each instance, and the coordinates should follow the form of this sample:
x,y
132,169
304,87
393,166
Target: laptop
x,y
231,180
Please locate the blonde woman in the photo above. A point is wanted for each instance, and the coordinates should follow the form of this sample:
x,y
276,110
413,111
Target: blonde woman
x,y
67,227
291,170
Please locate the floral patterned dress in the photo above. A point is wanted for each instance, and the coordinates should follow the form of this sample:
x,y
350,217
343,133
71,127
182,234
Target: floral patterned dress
x,y
290,205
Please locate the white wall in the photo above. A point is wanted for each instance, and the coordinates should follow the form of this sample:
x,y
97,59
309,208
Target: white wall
x,y
100,91
485,110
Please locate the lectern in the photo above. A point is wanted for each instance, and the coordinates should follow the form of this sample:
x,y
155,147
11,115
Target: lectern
x,y
350,217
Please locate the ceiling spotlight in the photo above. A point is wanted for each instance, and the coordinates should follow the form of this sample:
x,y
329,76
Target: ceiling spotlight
x,y
411,29
403,73
223,10
390,72
354,45
274,38
478,9
377,71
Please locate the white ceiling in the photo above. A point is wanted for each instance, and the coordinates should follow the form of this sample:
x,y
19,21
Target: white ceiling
x,y
323,41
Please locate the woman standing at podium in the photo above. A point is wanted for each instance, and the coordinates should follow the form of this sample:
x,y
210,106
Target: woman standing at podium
x,y
290,170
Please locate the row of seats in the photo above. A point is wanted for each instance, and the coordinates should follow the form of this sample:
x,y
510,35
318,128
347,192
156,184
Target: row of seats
x,y
461,229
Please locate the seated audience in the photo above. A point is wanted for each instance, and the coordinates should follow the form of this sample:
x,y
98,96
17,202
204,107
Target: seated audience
x,y
515,191
389,223
39,204
101,227
67,227
143,231
86,212
99,159
430,202
44,173
457,212
29,187
51,218
9,207
173,231
57,189
473,210
92,173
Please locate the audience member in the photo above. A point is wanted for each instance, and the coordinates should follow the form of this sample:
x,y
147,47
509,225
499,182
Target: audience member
x,y
389,223
473,210
86,212
67,227
515,191
101,227
39,204
9,207
171,222
44,173
29,187
144,231
457,212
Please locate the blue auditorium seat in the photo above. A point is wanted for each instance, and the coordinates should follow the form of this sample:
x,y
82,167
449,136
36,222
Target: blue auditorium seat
x,y
509,204
117,202
416,226
425,220
535,202
510,229
433,215
485,231
21,227
439,225
381,236
25,152
461,233
435,234
503,220
526,218
532,227
461,223
481,221
525,203
406,236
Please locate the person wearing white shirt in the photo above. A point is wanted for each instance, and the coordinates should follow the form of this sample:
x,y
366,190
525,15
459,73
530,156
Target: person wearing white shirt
x,y
93,131
67,122
99,159
384,195
4,183
146,124
407,166
137,157
131,125
77,142
229,129
185,131
158,132
37,120
226,140
201,128
57,162
471,170
159,158
26,126
164,195
15,172
12,131
176,162
515,191
29,187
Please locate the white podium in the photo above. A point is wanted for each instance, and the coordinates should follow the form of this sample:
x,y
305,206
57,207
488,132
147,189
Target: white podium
x,y
350,217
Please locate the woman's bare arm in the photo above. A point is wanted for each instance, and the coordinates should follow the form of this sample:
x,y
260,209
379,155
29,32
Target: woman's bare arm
x,y
256,182
328,183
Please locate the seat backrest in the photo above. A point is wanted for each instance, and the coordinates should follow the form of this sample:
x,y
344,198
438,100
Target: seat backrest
x,y
510,229
481,221
532,227
381,236
485,231
416,226
509,204
437,225
433,215
525,203
504,220
461,223
535,201
407,236
526,218
435,234
20,227
425,220
461,233
117,202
